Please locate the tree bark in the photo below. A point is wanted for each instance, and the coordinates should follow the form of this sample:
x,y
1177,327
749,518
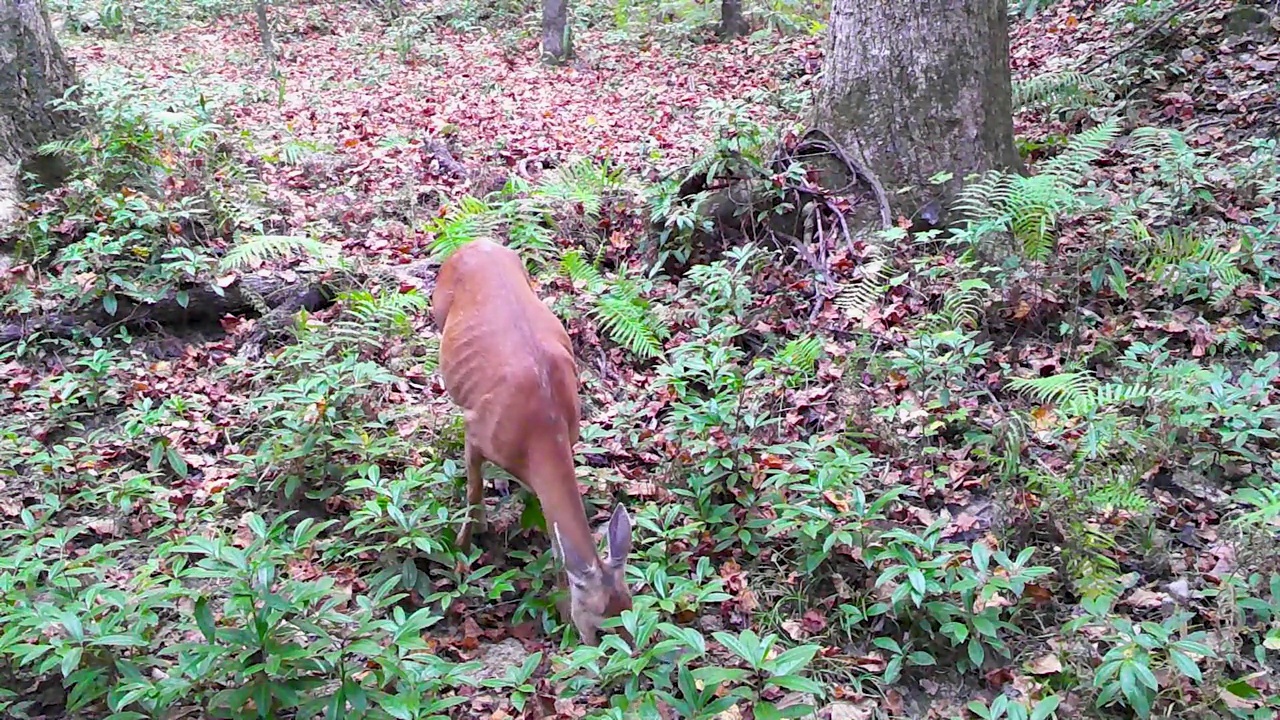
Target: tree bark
x,y
33,71
732,22
557,38
914,89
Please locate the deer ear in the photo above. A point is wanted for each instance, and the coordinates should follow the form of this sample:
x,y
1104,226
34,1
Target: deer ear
x,y
578,567
619,535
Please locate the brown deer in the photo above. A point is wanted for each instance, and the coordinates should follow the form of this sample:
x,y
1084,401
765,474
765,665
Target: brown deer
x,y
508,364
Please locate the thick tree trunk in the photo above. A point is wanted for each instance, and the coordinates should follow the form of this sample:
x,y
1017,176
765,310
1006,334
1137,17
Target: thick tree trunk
x,y
914,89
732,22
33,71
557,39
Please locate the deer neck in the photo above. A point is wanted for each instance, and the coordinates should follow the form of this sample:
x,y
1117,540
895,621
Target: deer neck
x,y
556,486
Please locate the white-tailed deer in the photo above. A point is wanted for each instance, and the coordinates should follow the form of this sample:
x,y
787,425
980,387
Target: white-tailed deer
x,y
507,362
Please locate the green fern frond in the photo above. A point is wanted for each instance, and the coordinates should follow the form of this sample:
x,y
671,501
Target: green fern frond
x,y
963,306
470,219
1082,150
580,270
581,182
800,355
1054,87
256,250
1063,389
630,323
1159,142
1264,502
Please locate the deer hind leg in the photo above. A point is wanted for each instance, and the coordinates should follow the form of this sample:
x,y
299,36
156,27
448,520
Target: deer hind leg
x,y
475,496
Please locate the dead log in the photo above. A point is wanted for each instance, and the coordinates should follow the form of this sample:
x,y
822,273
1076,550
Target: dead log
x,y
203,305
274,296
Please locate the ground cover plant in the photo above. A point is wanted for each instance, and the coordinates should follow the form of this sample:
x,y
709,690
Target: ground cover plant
x,y
1024,466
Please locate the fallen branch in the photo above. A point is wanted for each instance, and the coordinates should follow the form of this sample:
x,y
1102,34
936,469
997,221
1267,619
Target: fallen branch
x,y
1159,23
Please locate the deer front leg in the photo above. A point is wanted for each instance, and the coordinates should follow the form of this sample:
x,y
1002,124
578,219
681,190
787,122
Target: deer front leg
x,y
475,496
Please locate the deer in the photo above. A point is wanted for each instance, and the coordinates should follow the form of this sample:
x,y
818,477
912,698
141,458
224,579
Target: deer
x,y
507,362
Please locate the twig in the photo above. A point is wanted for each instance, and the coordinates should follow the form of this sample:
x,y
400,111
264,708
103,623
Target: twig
x,y
1159,23
844,227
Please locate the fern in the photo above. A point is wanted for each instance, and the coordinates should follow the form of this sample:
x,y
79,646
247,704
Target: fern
x,y
1265,504
470,219
579,182
1054,87
1028,207
618,306
574,265
1082,150
800,355
962,308
1079,394
856,297
629,320
260,248
797,360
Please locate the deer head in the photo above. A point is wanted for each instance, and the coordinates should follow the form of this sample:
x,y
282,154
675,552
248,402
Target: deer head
x,y
598,588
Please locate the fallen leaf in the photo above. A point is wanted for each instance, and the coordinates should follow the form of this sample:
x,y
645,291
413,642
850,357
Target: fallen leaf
x,y
1045,665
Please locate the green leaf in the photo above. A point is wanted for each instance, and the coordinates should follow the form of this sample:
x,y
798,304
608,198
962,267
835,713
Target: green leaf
x,y
110,303
916,578
885,643
789,662
976,653
176,462
120,641
204,619
408,572
893,669
1242,689
984,625
981,556
1186,665
797,683
71,661
1146,677
921,658
1045,707
956,631
767,711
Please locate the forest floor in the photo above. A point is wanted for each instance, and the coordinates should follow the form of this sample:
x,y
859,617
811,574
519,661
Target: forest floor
x,y
740,455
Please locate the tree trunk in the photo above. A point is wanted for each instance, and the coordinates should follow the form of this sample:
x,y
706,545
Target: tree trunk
x,y
264,33
557,39
914,89
33,72
732,22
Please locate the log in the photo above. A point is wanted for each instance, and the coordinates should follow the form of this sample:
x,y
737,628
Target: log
x,y
204,306
281,293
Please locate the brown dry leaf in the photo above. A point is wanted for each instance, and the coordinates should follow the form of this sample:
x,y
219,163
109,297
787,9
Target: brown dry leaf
x,y
870,663
1043,418
837,502
733,713
1045,665
1146,599
851,711
105,527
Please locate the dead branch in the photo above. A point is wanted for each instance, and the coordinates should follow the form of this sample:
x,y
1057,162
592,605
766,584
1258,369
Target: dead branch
x,y
1159,23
